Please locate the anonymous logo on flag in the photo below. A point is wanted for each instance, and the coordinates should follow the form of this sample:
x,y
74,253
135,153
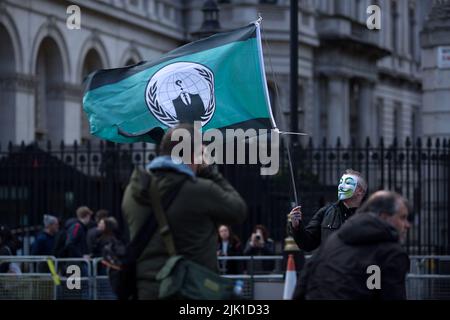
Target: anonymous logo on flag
x,y
181,92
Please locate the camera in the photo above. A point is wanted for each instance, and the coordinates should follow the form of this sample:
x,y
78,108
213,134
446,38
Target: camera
x,y
258,237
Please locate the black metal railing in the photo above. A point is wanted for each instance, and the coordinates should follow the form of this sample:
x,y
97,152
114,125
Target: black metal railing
x,y
37,179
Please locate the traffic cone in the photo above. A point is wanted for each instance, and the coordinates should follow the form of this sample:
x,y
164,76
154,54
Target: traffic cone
x,y
290,280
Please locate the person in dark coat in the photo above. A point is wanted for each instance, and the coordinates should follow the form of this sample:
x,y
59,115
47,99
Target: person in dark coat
x,y
5,250
351,191
76,234
345,267
259,244
106,241
228,245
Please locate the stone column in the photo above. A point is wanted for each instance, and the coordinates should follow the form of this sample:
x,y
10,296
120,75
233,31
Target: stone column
x,y
73,97
17,110
366,112
25,108
8,110
338,110
64,113
435,43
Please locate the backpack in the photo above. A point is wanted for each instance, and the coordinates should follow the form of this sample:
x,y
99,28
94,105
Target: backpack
x,y
60,248
120,259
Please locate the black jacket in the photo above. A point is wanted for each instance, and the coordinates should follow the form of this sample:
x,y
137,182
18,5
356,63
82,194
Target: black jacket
x,y
189,113
260,265
92,236
339,270
230,266
327,220
4,251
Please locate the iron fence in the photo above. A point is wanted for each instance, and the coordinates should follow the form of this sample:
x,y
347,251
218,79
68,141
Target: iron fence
x,y
37,179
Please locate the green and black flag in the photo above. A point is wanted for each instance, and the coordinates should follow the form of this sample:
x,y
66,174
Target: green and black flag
x,y
219,81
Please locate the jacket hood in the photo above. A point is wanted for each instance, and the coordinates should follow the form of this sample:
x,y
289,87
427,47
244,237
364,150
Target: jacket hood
x,y
167,163
367,228
70,222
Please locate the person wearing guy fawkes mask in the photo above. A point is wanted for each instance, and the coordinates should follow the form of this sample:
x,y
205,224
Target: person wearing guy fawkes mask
x,y
351,191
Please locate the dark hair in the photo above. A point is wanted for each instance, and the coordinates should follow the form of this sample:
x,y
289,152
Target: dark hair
x,y
101,214
111,226
384,202
3,234
263,229
7,238
83,212
167,145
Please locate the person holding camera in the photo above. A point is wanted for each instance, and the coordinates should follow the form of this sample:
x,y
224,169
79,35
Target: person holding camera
x,y
260,244
228,244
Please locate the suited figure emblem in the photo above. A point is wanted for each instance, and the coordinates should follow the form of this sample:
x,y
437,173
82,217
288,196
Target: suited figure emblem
x,y
181,92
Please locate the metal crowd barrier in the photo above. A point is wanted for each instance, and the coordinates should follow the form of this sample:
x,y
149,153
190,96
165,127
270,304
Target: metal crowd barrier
x,y
258,271
429,278
32,283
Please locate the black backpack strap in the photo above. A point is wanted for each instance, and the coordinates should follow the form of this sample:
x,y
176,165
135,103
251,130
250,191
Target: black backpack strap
x,y
148,229
158,211
331,207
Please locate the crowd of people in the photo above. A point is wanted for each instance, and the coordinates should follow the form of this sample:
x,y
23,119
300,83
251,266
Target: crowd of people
x,y
79,237
258,244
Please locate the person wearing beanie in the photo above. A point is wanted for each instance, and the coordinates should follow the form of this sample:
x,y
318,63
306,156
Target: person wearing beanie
x,y
43,245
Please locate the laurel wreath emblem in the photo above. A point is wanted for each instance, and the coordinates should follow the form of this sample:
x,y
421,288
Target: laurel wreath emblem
x,y
167,118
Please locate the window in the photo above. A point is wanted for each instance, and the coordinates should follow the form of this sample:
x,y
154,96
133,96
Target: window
x,y
272,96
323,110
397,120
379,115
354,111
394,26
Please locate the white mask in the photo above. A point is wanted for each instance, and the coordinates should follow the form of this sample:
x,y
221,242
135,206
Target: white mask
x,y
347,186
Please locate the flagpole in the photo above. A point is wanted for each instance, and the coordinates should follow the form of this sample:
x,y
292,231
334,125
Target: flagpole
x,y
281,119
291,170
294,67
